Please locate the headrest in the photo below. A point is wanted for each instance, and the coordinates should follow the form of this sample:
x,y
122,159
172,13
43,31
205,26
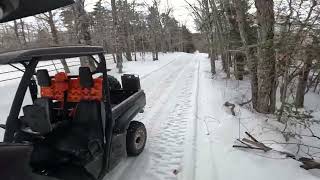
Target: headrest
x,y
61,77
43,78
85,75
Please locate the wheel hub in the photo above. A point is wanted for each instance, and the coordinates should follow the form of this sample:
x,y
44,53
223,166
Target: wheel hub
x,y
139,139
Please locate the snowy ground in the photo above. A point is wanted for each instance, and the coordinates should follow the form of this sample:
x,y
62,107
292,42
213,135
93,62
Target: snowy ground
x,y
190,132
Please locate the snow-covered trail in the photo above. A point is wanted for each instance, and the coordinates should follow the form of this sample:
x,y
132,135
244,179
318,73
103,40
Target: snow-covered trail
x,y
170,120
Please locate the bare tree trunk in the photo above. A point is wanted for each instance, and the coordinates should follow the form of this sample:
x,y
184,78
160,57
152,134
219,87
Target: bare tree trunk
x,y
128,49
316,84
251,59
227,61
16,31
223,46
84,37
116,31
239,65
126,27
284,89
114,58
303,80
266,56
28,32
210,36
55,38
134,49
212,57
226,29
143,53
155,51
24,39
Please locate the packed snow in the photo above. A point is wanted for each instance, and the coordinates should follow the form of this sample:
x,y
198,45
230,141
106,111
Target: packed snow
x,y
190,132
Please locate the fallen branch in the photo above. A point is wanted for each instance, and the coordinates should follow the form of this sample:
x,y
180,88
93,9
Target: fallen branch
x,y
253,143
254,139
244,103
244,143
227,104
246,147
256,145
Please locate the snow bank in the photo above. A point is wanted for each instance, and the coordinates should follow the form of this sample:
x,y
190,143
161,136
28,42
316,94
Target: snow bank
x,y
218,131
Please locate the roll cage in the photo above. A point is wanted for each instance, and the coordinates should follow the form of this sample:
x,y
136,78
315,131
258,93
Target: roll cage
x,y
30,59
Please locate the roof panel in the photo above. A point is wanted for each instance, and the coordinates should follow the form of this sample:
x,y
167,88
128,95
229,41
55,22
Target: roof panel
x,y
15,9
49,53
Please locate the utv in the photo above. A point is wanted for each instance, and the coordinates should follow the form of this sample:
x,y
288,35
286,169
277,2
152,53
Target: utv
x,y
76,127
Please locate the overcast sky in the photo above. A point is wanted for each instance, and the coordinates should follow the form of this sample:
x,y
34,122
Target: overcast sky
x,y
180,9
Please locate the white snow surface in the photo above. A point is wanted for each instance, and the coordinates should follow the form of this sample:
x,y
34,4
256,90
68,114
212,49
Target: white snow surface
x,y
190,132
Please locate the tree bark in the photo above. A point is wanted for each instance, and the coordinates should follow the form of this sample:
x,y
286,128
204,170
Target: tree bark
x,y
266,56
210,36
251,59
117,29
223,45
212,57
83,34
303,80
239,66
126,27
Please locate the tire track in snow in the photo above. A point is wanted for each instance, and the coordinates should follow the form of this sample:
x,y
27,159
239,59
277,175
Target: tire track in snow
x,y
158,93
190,158
168,144
150,73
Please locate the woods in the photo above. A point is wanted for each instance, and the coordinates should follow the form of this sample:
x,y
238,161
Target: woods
x,y
122,27
279,40
275,43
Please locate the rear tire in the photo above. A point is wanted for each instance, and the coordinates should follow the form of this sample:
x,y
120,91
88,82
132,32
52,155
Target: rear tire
x,y
136,138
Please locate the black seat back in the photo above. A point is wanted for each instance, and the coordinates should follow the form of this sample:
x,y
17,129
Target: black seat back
x,y
86,80
39,116
86,128
43,78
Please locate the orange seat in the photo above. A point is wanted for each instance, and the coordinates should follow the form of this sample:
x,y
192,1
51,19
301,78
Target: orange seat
x,y
61,84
